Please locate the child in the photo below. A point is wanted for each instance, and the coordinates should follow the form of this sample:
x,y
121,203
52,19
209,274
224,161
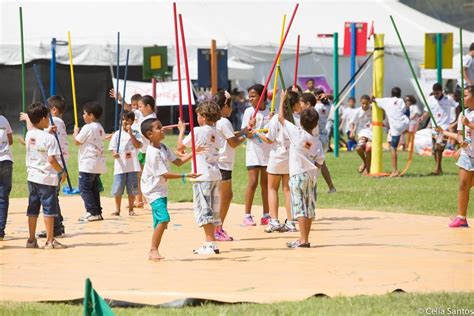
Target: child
x,y
415,114
278,166
361,126
206,189
394,109
44,173
348,116
466,158
126,166
6,168
306,155
226,158
91,160
440,106
256,155
156,173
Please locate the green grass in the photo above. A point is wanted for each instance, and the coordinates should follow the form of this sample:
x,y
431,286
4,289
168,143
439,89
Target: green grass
x,y
390,304
416,193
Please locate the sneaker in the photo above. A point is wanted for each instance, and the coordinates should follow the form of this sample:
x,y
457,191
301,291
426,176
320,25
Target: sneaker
x,y
221,235
33,244
332,190
297,244
57,233
53,245
248,221
265,220
290,226
207,249
274,227
88,217
458,222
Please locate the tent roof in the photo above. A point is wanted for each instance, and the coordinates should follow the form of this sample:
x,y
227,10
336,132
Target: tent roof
x,y
243,26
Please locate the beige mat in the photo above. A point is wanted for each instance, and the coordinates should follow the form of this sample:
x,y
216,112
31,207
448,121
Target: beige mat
x,y
353,252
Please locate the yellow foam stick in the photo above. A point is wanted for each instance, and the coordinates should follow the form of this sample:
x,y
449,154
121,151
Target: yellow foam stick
x,y
275,81
73,85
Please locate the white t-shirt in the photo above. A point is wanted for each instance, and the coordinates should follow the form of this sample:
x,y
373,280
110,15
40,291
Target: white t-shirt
x,y
363,122
138,115
442,110
5,129
62,136
279,153
348,117
305,150
209,138
468,63
469,150
323,112
128,161
157,163
257,151
395,111
39,146
91,151
226,152
415,113
145,142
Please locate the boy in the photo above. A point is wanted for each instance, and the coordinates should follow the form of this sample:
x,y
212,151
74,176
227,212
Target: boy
x,y
206,189
306,155
361,126
6,168
394,109
44,173
156,173
441,106
126,165
91,160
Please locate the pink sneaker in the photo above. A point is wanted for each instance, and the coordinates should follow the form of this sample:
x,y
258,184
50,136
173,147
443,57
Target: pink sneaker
x,y
221,235
265,220
248,221
458,222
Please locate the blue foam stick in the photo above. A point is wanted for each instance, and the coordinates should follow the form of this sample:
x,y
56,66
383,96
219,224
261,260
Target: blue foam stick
x,y
117,86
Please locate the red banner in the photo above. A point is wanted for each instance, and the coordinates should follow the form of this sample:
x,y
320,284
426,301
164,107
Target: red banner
x,y
361,38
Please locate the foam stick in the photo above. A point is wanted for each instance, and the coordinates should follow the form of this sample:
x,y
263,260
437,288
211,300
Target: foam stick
x,y
462,82
123,98
275,81
353,77
297,60
23,89
413,71
352,84
73,85
188,85
287,101
178,62
260,100
117,86
172,126
45,101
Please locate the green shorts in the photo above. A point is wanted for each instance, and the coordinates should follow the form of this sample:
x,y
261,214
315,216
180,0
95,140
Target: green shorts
x,y
159,209
141,158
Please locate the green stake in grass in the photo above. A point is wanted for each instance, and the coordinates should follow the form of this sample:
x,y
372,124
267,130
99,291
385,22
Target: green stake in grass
x,y
23,90
462,82
413,72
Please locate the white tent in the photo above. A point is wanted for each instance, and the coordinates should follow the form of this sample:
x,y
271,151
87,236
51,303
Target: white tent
x,y
248,29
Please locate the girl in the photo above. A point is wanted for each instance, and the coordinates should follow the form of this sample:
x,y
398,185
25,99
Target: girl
x,y
256,158
415,114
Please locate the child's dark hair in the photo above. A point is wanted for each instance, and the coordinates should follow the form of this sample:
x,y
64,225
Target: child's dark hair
x,y
290,88
147,126
93,108
36,111
309,97
471,47
352,99
221,99
411,98
58,102
365,97
136,97
148,99
291,99
309,119
259,89
396,92
129,115
318,91
210,110
437,87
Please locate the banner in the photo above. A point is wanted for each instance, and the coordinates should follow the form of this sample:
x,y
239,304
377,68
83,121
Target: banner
x,y
361,38
319,81
167,93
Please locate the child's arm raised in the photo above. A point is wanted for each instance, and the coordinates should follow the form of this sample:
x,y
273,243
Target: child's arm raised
x,y
281,108
181,127
465,121
454,136
126,106
136,143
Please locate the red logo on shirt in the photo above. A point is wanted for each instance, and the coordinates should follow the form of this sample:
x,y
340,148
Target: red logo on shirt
x,y
307,145
32,141
213,139
128,155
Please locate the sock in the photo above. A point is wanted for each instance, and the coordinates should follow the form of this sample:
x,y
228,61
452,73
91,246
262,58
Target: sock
x,y
248,216
266,215
274,222
461,217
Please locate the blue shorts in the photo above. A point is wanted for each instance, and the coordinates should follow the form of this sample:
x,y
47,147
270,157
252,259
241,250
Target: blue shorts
x,y
465,162
129,180
45,196
395,141
159,209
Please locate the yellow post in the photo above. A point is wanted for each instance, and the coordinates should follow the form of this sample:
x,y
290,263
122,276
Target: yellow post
x,y
275,82
376,166
73,85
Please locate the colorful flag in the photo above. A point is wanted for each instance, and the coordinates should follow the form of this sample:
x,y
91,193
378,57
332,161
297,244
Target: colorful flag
x,y
94,305
372,31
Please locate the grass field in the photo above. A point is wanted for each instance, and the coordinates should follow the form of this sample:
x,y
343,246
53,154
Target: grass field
x,y
417,192
390,304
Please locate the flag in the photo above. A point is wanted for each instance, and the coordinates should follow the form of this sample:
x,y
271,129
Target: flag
x,y
372,31
94,305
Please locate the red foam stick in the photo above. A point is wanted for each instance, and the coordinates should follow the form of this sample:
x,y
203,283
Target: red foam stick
x,y
260,100
188,85
178,61
297,59
172,126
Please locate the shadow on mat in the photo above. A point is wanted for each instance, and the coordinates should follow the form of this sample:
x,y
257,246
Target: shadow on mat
x,y
352,218
95,244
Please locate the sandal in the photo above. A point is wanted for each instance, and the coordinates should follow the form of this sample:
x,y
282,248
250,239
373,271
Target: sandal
x,y
115,214
132,213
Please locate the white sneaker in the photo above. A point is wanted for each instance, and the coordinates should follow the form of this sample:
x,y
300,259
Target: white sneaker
x,y
290,226
207,249
88,217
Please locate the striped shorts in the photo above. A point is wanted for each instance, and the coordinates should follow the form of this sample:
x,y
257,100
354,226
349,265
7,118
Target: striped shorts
x,y
206,197
303,195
